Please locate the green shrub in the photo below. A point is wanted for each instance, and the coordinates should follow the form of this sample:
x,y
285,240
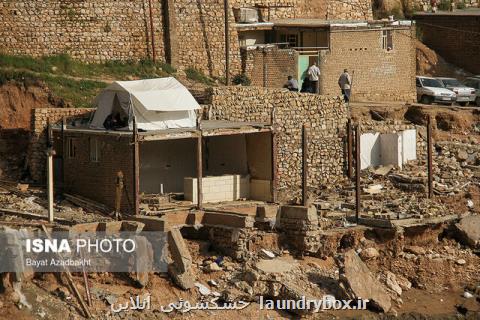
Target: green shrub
x,y
196,75
241,79
461,5
445,5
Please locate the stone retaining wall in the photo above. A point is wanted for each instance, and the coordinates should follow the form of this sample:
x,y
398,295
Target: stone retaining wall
x,y
41,117
326,116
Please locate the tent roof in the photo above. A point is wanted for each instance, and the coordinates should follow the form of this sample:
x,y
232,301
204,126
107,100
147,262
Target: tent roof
x,y
162,94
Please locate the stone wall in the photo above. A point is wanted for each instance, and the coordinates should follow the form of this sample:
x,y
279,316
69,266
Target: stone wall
x,y
41,117
453,36
320,9
378,74
88,30
269,66
187,33
326,117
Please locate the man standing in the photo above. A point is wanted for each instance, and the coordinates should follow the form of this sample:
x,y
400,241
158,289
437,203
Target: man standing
x,y
292,84
313,74
345,83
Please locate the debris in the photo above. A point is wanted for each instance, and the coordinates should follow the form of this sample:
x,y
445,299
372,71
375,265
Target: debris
x,y
469,231
23,187
415,250
359,282
369,253
111,299
212,267
267,254
392,283
470,204
180,269
277,265
213,283
374,189
204,291
467,295
383,170
461,262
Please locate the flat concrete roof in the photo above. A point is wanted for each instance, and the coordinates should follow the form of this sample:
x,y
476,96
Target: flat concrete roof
x,y
315,23
459,13
207,128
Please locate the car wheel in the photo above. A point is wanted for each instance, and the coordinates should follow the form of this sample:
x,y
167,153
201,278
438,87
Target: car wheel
x,y
463,104
426,100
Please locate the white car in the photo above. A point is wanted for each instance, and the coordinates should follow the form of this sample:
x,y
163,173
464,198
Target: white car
x,y
430,90
474,82
465,94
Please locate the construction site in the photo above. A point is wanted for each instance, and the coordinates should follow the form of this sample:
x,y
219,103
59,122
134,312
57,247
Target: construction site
x,y
244,200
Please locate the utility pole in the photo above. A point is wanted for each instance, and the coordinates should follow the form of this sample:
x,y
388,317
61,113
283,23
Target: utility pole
x,y
429,158
226,7
50,154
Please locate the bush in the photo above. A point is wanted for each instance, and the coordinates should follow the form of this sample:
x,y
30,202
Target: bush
x,y
241,79
461,5
196,75
445,5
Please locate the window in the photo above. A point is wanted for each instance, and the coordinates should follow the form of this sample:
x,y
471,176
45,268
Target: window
x,y
94,150
387,40
418,83
71,148
291,39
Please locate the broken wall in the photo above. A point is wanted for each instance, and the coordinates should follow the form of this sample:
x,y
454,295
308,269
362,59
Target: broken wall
x,y
326,116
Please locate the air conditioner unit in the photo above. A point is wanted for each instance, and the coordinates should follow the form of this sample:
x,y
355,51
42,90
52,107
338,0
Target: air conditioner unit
x,y
248,15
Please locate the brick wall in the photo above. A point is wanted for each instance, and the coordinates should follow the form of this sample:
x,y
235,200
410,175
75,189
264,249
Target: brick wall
x,y
454,37
41,117
378,75
269,66
96,180
326,116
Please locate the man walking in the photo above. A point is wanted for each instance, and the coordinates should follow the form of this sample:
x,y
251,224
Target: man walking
x,y
345,83
313,74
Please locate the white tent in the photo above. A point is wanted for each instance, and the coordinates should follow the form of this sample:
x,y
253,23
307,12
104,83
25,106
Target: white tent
x,y
156,104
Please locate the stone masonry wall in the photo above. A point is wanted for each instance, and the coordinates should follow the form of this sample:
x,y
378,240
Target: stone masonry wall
x,y
88,30
326,116
41,117
269,66
454,37
378,74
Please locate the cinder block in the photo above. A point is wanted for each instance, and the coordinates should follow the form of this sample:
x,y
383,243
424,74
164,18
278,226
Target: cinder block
x,y
299,213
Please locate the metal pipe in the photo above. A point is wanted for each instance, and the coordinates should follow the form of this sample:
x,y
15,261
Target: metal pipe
x,y
357,173
50,195
226,8
152,32
429,157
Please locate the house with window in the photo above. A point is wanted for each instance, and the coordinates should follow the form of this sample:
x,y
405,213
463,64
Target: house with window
x,y
374,52
149,132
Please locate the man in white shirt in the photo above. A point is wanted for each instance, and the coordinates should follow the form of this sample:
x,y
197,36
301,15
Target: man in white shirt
x,y
313,74
345,83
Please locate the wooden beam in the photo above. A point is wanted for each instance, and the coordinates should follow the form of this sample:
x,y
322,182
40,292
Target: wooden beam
x,y
357,172
304,165
429,158
199,172
136,170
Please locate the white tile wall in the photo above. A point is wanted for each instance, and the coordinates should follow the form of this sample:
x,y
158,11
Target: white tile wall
x,y
218,188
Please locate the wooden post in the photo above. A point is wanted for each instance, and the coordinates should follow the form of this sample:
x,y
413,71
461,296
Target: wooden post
x,y
350,149
136,169
226,7
199,172
304,166
152,32
50,195
429,157
274,167
357,172
118,194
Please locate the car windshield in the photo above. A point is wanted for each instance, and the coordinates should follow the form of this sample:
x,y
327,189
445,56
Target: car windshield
x,y
431,83
452,83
